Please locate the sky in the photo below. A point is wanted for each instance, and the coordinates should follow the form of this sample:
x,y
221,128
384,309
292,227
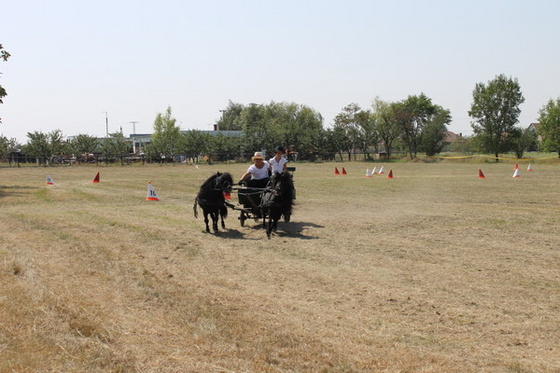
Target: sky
x,y
78,65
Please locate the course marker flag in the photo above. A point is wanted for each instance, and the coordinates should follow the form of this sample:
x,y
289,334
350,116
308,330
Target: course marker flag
x,y
152,196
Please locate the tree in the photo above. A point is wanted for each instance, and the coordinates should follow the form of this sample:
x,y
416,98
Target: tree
x,y
224,148
347,123
83,145
433,131
7,148
388,128
115,146
44,146
4,55
293,126
414,114
495,110
521,140
549,128
230,117
166,138
194,143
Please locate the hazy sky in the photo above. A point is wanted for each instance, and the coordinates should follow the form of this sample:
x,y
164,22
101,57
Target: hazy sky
x,y
74,61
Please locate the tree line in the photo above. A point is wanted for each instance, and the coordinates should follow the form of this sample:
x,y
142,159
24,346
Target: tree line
x,y
410,126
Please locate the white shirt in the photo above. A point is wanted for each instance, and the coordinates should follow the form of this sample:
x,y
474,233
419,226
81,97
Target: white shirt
x,y
277,166
259,173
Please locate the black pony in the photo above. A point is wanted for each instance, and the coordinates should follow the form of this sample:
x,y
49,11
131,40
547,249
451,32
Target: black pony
x,y
211,199
277,200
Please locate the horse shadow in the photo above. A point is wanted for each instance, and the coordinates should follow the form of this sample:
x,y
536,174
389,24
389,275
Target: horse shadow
x,y
287,230
296,230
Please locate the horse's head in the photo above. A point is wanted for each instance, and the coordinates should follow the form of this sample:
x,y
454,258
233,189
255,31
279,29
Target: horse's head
x,y
223,182
282,185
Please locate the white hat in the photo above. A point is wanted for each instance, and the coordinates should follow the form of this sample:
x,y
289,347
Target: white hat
x,y
258,155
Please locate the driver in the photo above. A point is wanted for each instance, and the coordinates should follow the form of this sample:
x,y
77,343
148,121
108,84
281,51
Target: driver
x,y
257,173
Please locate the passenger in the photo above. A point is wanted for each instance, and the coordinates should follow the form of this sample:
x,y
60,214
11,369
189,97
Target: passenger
x,y
278,162
257,173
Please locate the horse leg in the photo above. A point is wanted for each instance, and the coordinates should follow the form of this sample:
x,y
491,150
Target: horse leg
x,y
277,215
264,213
214,215
206,221
269,228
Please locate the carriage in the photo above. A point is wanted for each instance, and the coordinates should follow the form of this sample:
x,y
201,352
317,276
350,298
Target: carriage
x,y
271,202
250,201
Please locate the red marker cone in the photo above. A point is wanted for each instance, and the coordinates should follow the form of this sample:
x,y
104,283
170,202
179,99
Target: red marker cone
x,y
530,167
480,174
50,181
336,171
96,178
344,171
390,174
516,173
381,170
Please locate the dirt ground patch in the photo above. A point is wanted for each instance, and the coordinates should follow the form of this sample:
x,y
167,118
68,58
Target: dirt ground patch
x,y
434,270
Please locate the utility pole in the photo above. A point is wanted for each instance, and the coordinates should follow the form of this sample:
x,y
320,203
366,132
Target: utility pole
x,y
134,133
217,126
133,126
106,125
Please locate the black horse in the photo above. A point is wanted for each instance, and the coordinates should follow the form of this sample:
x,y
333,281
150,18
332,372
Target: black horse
x,y
277,200
211,199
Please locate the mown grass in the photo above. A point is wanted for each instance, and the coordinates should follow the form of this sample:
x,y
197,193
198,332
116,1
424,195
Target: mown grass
x,y
435,270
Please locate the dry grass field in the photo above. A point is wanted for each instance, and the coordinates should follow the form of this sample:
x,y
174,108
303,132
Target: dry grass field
x,y
435,270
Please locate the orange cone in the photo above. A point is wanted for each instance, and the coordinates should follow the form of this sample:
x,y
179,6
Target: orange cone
x,y
96,178
336,171
516,173
50,180
390,174
374,172
344,171
367,173
481,174
152,196
516,167
530,167
381,170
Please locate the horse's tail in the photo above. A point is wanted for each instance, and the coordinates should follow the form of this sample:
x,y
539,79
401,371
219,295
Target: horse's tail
x,y
223,211
194,208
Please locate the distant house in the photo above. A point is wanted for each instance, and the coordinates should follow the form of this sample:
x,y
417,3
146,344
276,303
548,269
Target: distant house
x,y
450,137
